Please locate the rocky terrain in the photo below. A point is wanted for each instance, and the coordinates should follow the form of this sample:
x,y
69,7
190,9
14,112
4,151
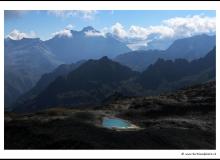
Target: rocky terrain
x,y
184,119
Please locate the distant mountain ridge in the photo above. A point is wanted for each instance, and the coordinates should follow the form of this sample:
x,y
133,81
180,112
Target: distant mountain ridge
x,y
187,48
191,48
24,62
139,60
85,44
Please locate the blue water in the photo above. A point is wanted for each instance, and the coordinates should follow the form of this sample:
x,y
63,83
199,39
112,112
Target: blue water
x,y
114,123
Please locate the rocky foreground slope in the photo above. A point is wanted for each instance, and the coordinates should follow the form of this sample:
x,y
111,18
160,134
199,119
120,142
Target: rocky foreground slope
x,y
184,119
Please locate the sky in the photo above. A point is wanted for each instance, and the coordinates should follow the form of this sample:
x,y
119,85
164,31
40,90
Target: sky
x,y
127,25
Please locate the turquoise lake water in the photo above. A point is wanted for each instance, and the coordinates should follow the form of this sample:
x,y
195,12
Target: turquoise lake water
x,y
115,123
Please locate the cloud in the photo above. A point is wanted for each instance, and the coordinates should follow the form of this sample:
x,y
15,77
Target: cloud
x,y
69,27
140,33
63,33
13,14
118,30
17,35
191,25
170,29
161,31
84,14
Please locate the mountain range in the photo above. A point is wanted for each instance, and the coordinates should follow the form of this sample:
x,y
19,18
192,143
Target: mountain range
x,y
165,74
188,48
94,81
85,44
32,64
26,60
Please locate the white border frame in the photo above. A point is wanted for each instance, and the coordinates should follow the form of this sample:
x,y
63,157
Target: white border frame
x,y
104,5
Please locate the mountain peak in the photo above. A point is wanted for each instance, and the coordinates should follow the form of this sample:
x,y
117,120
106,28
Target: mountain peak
x,y
88,28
